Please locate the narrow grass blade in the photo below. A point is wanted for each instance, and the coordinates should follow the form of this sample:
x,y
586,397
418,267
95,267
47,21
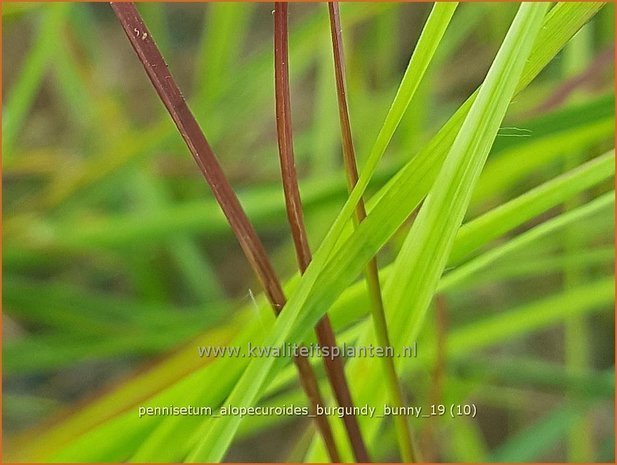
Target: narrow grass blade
x,y
528,205
470,268
419,265
404,434
425,252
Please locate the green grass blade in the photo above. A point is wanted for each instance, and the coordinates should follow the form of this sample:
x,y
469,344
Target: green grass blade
x,y
419,265
528,205
600,204
425,252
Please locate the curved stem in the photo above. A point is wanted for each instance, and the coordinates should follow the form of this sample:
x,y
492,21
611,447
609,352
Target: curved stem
x,y
325,334
407,450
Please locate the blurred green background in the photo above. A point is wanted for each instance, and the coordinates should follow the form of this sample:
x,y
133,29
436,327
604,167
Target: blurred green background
x,y
115,253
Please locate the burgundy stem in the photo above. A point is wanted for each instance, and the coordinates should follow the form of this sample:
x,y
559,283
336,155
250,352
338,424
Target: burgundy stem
x,y
335,369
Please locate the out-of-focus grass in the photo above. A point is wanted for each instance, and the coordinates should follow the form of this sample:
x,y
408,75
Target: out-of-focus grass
x,y
115,253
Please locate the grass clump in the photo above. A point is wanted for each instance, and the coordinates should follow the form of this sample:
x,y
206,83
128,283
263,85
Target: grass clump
x,y
473,191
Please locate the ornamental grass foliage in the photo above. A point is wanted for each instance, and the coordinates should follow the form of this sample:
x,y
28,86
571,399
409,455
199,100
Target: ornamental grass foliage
x,y
308,232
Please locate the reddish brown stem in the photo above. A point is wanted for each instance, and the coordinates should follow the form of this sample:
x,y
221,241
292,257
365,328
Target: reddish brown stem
x,y
164,84
285,138
335,369
349,156
409,452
